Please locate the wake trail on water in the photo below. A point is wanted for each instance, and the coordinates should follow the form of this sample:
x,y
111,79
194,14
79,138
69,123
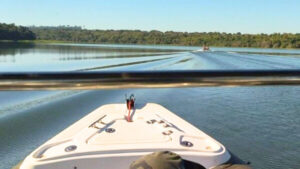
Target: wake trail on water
x,y
187,60
233,60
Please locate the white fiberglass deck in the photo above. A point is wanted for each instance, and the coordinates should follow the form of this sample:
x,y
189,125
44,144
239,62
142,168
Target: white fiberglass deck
x,y
104,139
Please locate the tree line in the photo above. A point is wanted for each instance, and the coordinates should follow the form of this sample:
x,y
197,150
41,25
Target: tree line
x,y
80,35
13,32
76,34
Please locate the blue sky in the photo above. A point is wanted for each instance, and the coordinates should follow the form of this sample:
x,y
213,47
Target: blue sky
x,y
246,16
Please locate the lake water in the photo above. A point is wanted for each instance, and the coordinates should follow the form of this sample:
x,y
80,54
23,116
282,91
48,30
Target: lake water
x,y
259,124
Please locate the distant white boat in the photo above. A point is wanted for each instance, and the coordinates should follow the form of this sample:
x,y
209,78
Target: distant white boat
x,y
107,139
203,49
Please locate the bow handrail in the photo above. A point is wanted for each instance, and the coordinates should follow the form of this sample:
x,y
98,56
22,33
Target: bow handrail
x,y
145,79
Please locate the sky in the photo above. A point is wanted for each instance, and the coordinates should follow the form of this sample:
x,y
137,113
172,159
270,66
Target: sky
x,y
231,16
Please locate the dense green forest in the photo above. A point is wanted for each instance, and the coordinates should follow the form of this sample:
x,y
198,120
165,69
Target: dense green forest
x,y
77,34
12,32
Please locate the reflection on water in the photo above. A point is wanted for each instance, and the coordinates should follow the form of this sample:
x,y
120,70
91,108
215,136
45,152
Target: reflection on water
x,y
72,57
14,48
116,56
259,124
11,49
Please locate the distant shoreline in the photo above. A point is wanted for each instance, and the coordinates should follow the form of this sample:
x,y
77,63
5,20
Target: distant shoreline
x,y
67,34
57,41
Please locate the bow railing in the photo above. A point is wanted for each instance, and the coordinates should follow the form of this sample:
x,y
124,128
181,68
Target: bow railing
x,y
145,79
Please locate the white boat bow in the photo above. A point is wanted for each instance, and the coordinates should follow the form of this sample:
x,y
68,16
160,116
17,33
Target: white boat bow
x,y
104,139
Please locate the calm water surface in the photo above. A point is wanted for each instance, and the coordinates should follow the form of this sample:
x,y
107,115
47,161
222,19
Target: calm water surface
x,y
259,124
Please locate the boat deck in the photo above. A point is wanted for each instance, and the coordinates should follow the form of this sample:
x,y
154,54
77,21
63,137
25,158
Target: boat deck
x,y
105,135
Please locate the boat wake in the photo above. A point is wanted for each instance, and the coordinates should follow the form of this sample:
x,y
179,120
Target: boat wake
x,y
27,119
